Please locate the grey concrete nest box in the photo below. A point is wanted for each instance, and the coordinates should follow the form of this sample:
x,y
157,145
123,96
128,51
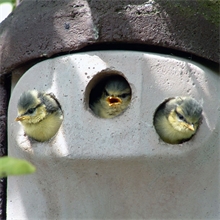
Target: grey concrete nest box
x,y
84,154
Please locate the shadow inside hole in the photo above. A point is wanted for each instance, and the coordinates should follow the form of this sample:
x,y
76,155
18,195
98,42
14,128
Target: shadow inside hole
x,y
108,94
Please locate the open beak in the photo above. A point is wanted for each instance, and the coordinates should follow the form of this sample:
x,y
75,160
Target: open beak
x,y
20,118
191,127
113,101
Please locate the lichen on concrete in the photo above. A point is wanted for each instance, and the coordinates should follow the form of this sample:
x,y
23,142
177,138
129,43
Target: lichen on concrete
x,y
208,9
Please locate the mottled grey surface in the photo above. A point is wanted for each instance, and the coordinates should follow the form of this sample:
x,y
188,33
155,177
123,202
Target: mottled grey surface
x,y
41,29
3,147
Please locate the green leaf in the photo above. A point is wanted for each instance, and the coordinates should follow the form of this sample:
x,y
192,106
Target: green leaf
x,y
13,166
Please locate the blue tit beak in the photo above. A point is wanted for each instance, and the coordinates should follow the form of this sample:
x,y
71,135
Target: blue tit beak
x,y
113,101
21,118
191,127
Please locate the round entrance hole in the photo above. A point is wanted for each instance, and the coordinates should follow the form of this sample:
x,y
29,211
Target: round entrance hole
x,y
109,94
177,119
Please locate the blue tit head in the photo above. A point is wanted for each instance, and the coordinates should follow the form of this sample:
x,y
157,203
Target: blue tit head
x,y
28,100
186,114
188,109
117,91
177,119
30,107
110,96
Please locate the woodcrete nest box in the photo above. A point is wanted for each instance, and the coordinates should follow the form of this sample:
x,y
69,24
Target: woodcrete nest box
x,y
117,168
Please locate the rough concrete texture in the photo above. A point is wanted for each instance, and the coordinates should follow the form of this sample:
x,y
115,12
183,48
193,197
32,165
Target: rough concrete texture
x,y
117,168
41,29
3,137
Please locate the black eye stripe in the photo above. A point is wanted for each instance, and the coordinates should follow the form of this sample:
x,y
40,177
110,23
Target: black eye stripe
x,y
124,95
181,117
31,110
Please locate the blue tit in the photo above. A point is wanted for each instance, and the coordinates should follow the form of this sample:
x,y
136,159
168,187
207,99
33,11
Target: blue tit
x,y
177,119
40,114
112,97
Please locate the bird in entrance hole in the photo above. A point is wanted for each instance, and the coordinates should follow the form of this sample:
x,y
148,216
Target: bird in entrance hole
x,y
110,97
40,114
177,119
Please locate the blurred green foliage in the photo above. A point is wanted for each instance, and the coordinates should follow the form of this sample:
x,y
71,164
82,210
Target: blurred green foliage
x,y
13,2
13,166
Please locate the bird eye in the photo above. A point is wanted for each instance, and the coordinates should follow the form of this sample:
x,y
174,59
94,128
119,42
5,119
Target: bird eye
x,y
31,110
180,116
123,95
